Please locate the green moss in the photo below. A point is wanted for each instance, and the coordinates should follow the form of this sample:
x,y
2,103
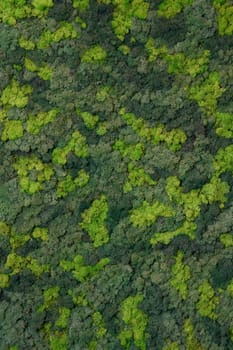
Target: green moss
x,y
26,44
174,138
225,16
4,280
102,129
180,275
64,314
132,151
224,124
170,8
13,129
50,298
207,93
94,221
137,177
191,342
4,229
81,5
188,228
226,239
147,214
94,53
68,184
171,346
43,172
35,123
66,31
223,161
103,93
208,301
30,65
123,15
136,323
89,119
15,95
18,240
40,233
153,51
83,272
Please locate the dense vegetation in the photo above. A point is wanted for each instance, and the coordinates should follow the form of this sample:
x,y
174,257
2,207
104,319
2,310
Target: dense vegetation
x,y
116,189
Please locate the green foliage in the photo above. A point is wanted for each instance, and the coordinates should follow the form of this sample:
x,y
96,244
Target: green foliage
x,y
230,288
225,16
155,135
64,314
224,124
89,119
102,129
226,239
4,229
81,5
137,177
4,280
170,8
41,6
191,341
94,221
66,31
50,298
16,95
45,72
30,65
58,341
80,271
214,191
18,240
180,275
93,54
207,93
76,144
223,160
68,184
124,49
207,301
188,228
103,93
147,214
11,10
42,172
13,129
136,323
123,15
40,233
181,64
35,123
171,346
133,151
153,51
26,43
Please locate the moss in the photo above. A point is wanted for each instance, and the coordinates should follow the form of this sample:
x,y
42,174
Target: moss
x,y
170,8
13,129
208,301
147,214
40,233
180,275
94,221
16,95
136,323
94,53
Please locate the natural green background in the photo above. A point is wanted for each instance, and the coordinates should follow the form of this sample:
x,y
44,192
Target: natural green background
x,y
116,162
